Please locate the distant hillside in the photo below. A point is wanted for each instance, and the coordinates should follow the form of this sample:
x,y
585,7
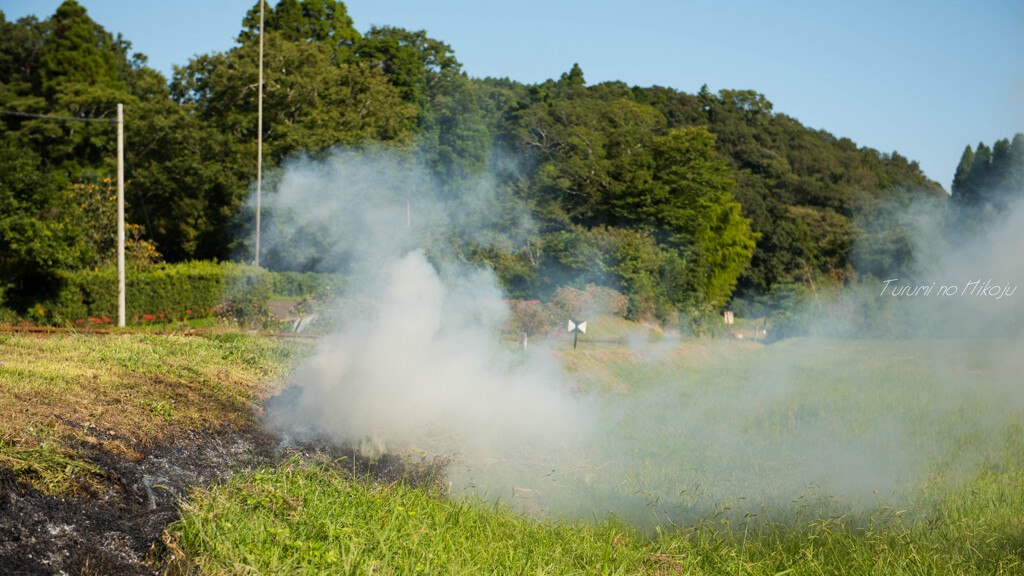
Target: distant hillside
x,y
677,200
803,190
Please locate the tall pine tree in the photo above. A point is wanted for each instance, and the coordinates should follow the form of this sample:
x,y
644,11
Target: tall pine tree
x,y
77,51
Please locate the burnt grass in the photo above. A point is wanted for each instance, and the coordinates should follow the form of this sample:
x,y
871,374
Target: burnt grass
x,y
119,529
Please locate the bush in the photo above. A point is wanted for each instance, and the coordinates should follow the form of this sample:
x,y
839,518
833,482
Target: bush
x,y
175,292
535,318
531,317
581,304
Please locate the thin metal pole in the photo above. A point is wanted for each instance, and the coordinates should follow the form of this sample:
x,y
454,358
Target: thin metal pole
x,y
120,216
259,144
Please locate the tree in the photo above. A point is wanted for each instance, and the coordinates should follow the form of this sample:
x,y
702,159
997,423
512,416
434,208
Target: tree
x,y
451,132
573,77
691,198
961,192
322,21
21,50
987,181
311,103
1015,173
65,66
187,179
37,233
77,51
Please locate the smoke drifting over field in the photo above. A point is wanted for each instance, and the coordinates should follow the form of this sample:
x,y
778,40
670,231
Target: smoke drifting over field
x,y
425,369
799,425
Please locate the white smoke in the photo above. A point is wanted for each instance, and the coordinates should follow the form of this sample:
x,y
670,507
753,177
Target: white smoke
x,y
766,427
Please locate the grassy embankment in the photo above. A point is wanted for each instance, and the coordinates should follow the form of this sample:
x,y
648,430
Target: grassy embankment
x,y
968,516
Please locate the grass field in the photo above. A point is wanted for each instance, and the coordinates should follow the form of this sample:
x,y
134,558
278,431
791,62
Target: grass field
x,y
712,457
718,457
122,392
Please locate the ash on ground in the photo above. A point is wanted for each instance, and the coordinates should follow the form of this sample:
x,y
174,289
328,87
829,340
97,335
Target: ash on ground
x,y
119,531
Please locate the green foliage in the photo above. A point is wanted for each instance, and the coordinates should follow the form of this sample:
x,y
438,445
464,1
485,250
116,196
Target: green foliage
x,y
451,134
607,163
38,233
21,49
707,194
626,260
66,66
781,165
311,103
76,51
324,22
987,181
691,197
165,293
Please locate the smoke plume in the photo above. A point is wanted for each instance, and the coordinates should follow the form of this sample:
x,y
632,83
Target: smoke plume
x,y
798,427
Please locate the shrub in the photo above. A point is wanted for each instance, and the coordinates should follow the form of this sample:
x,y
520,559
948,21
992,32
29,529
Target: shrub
x,y
530,316
580,304
175,292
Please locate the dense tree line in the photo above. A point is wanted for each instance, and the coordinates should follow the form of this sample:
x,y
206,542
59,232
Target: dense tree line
x,y
987,180
681,201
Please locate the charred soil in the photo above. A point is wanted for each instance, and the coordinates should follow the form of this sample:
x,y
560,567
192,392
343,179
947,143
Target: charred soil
x,y
119,529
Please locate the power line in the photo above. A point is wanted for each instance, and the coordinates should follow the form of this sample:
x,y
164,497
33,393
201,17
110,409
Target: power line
x,y
119,122
68,118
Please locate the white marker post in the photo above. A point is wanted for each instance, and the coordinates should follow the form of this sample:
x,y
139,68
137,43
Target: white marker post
x,y
577,328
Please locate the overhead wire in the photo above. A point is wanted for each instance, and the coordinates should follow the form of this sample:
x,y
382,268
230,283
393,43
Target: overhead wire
x,y
67,118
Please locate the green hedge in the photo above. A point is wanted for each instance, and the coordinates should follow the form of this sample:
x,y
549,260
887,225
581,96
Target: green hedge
x,y
177,291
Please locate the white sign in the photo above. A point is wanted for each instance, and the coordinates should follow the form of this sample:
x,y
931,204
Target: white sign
x,y
581,327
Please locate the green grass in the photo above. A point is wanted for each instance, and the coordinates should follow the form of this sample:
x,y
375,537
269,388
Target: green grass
x,y
693,475
136,388
300,520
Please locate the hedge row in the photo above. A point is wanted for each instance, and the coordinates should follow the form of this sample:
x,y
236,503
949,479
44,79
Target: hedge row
x,y
177,291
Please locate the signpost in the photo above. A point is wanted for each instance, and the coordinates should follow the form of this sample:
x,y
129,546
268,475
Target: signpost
x,y
576,328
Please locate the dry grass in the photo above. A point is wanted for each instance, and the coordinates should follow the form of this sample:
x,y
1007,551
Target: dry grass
x,y
60,392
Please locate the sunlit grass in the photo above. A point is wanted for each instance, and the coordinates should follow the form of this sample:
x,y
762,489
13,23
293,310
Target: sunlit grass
x,y
679,503
297,520
671,492
300,520
123,391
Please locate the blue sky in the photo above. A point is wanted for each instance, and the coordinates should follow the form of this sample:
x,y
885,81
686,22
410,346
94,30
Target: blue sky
x,y
924,78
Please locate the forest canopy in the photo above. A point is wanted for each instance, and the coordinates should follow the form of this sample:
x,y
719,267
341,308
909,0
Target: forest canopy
x,y
680,201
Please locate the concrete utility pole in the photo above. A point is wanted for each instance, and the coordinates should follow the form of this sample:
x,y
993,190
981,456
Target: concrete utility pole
x,y
120,190
120,216
259,144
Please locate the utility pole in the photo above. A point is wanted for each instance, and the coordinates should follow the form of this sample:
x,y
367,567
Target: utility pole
x,y
120,216
120,190
259,144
